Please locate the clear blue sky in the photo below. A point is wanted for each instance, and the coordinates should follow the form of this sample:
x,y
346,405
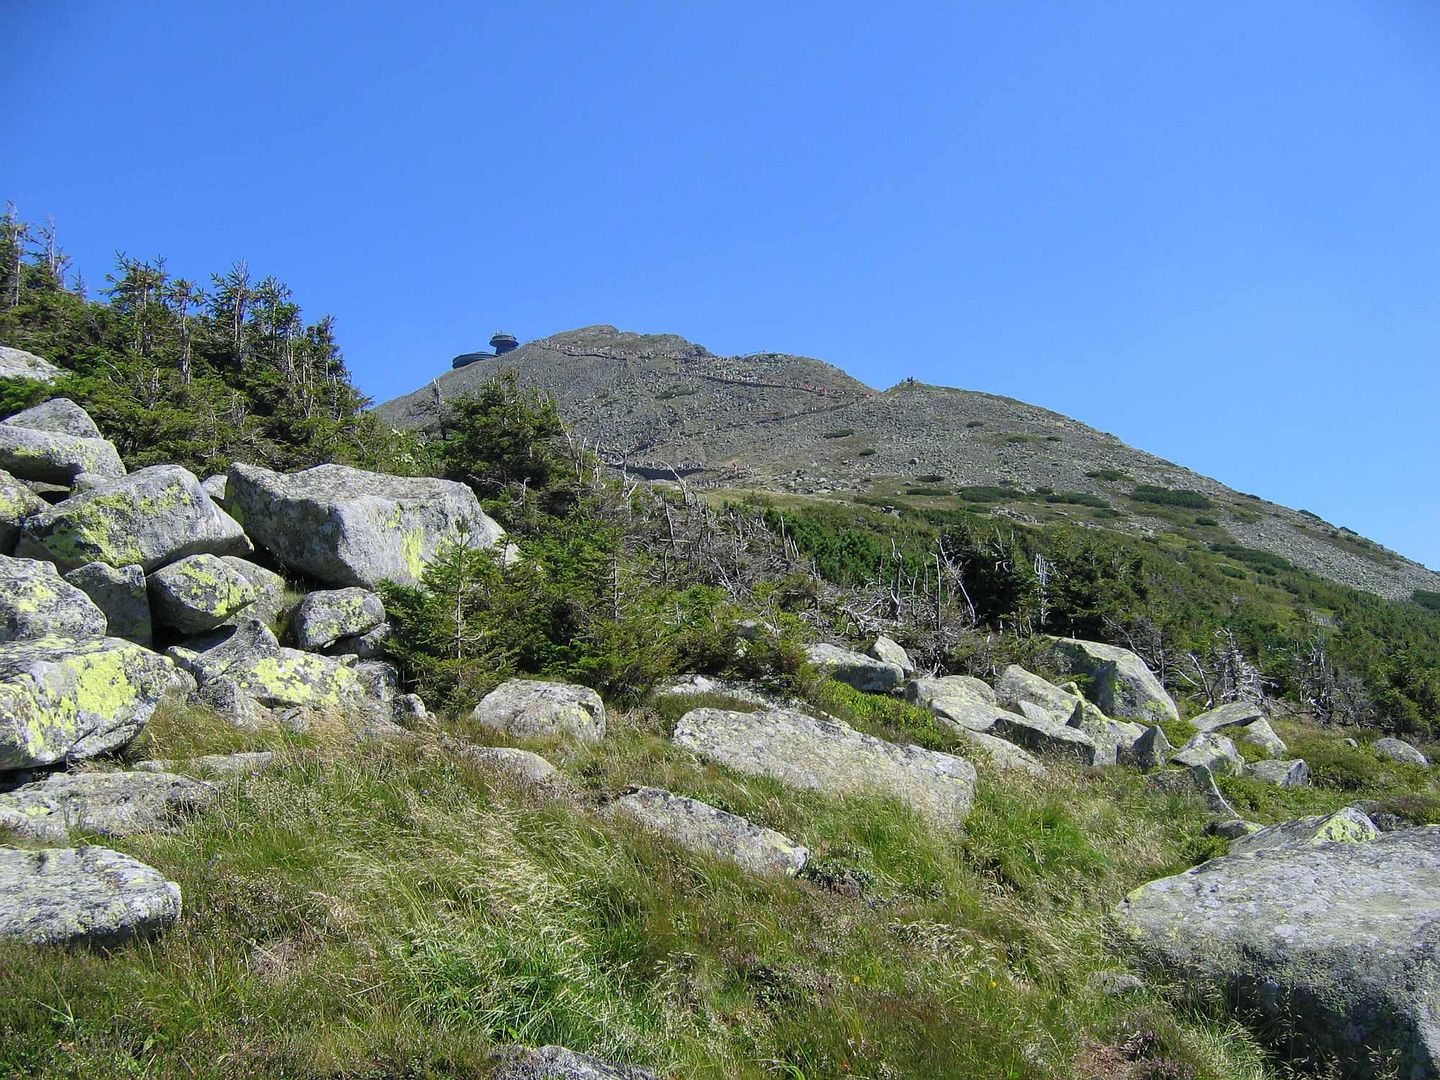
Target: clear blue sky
x,y
1210,228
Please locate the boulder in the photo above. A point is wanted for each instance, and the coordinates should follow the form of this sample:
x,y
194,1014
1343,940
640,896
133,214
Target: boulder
x,y
35,602
60,415
523,765
1194,780
1216,752
1347,826
715,685
241,764
1333,949
326,616
829,756
888,650
17,504
1150,751
147,519
214,486
371,645
1119,681
19,364
1399,750
1111,737
344,527
1016,685
1243,721
63,700
701,827
54,458
529,709
1035,731
1262,736
198,593
269,587
557,1063
958,701
87,481
1287,774
855,669
1005,756
121,595
82,896
106,803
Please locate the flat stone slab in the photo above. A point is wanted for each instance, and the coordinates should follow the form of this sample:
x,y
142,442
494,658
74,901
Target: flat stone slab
x,y
1333,947
832,757
105,803
85,895
709,830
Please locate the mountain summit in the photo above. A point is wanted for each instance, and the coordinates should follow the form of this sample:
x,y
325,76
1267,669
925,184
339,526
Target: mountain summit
x,y
663,407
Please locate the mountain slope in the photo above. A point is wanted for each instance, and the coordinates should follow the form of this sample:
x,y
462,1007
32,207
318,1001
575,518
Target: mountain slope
x,y
663,406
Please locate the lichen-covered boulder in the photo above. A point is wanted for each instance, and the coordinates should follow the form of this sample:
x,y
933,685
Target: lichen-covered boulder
x,y
198,593
106,803
1035,731
1287,774
1216,752
890,651
1399,750
326,616
957,701
344,527
269,588
1016,685
1111,737
370,645
856,669
121,595
36,602
215,487
55,458
1119,681
523,765
1192,780
1148,752
832,757
147,519
17,504
1332,948
60,415
65,700
1347,826
1003,755
1244,721
709,830
19,364
527,709
557,1063
82,896
252,666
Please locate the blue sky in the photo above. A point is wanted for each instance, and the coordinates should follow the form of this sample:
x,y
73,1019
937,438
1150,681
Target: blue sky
x,y
1210,228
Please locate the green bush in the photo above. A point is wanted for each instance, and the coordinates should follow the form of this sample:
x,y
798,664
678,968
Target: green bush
x,y
839,433
1163,496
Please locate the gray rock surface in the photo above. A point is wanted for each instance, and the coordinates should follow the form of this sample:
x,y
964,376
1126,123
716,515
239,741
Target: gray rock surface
x,y
328,615
1152,750
60,415
89,481
701,827
121,595
199,593
35,602
557,1063
1287,774
1334,948
344,527
1260,734
215,487
889,651
1016,685
19,364
832,757
1111,737
1003,755
1120,683
1036,732
855,669
1233,714
55,458
735,689
371,645
17,503
66,700
530,708
1399,750
1194,780
1347,826
106,803
82,896
958,701
147,519
1216,752
524,765
269,588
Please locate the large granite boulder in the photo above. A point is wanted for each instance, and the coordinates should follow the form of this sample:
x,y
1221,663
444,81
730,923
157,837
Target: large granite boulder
x,y
1016,685
1193,780
1216,752
855,669
269,588
890,651
344,527
1399,750
1119,681
1333,949
106,803
17,504
1150,751
326,616
957,701
121,595
199,593
524,766
35,602
1244,721
147,519
19,364
1286,774
55,458
711,831
82,896
1035,731
832,757
63,700
60,415
557,1063
1347,826
529,708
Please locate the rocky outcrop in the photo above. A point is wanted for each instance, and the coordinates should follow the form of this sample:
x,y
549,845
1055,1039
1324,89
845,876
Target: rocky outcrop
x,y
855,669
1245,721
36,601
1399,750
1347,826
148,519
326,616
529,709
345,527
121,595
199,593
82,896
17,504
59,415
105,803
1333,948
832,757
1119,682
19,364
54,458
63,700
701,827
1004,756
1016,685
